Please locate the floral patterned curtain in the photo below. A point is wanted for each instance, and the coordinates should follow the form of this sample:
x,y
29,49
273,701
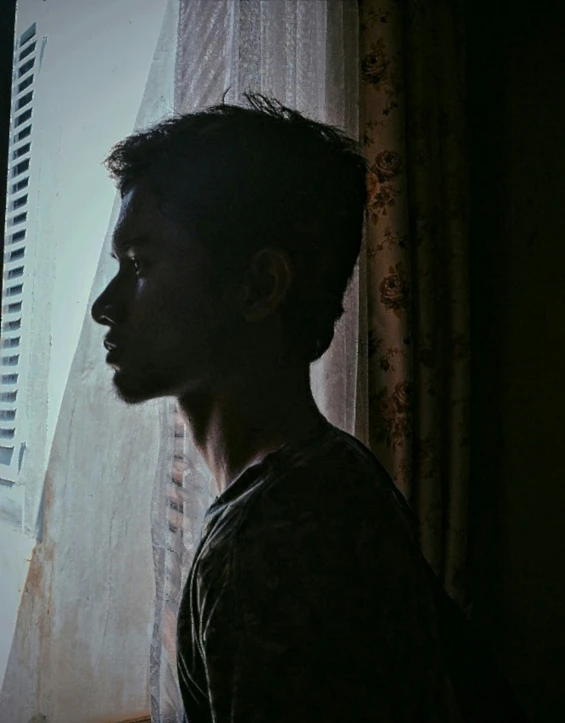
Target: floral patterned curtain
x,y
414,135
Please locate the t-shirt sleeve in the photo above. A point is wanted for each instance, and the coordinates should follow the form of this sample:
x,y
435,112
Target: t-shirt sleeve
x,y
324,613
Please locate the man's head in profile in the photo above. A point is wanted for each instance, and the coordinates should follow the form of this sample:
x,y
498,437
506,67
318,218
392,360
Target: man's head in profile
x,y
238,233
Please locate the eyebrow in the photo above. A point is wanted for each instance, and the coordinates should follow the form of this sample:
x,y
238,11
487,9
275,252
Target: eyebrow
x,y
123,248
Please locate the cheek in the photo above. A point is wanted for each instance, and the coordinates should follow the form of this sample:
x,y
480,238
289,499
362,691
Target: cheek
x,y
189,306
183,314
141,287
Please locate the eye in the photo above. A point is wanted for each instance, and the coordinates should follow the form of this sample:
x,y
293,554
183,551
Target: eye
x,y
138,265
134,262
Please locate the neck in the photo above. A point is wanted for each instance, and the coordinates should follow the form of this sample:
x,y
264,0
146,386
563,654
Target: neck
x,y
243,419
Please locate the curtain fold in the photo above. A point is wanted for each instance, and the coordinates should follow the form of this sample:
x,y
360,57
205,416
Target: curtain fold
x,y
305,54
414,134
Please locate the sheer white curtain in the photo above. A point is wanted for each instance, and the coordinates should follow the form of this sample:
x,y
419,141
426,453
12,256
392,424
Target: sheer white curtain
x,y
305,54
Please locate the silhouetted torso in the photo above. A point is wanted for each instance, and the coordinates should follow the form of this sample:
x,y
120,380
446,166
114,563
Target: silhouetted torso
x,y
308,599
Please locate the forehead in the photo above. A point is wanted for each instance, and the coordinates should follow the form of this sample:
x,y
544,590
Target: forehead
x,y
138,212
140,217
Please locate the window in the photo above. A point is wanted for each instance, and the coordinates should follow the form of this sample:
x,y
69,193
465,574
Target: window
x,y
10,361
20,218
8,396
12,325
19,202
21,151
7,433
26,115
18,236
20,185
24,100
14,307
23,134
9,414
25,67
14,290
20,167
25,84
10,343
28,51
9,378
28,34
6,455
16,273
15,255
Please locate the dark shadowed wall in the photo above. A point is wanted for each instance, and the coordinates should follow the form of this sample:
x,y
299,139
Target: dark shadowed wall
x,y
517,118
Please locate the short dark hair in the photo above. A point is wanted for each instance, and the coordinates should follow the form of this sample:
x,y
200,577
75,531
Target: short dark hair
x,y
240,178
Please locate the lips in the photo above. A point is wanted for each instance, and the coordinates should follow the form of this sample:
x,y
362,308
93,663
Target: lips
x,y
113,355
110,344
114,351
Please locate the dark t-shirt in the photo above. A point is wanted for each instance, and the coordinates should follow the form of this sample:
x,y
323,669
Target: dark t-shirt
x,y
308,600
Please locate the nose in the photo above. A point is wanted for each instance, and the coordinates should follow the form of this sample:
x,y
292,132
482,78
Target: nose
x,y
105,309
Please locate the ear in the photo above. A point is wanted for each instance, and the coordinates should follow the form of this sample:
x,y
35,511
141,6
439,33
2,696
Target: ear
x,y
267,281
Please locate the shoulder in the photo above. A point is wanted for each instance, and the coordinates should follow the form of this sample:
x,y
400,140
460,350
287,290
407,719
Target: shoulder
x,y
336,476
334,498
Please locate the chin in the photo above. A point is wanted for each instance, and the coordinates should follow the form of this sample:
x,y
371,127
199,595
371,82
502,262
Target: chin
x,y
133,391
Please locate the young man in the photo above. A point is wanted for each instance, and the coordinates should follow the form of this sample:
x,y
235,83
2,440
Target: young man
x,y
308,600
